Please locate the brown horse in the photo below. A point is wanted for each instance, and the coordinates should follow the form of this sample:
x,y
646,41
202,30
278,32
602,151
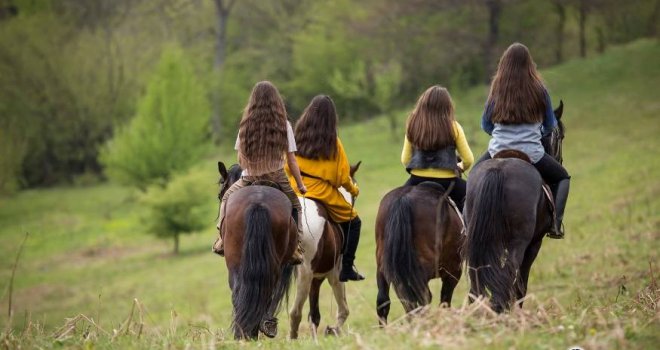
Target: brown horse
x,y
418,238
507,216
259,236
322,240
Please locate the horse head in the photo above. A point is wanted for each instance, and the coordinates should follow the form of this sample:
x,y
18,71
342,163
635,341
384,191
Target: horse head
x,y
552,143
227,177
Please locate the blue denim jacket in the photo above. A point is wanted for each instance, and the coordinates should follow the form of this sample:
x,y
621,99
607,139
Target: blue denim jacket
x,y
523,137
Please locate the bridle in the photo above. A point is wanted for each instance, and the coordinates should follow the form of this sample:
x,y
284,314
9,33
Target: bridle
x,y
553,143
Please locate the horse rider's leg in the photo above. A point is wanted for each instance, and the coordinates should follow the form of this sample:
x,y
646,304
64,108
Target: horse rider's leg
x,y
561,196
314,316
352,232
302,291
339,291
557,176
383,299
219,246
281,179
526,265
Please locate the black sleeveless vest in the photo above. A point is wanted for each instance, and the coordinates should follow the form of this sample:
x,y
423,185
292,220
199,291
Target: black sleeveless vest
x,y
440,159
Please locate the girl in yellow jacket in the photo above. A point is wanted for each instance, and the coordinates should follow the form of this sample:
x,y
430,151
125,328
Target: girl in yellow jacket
x,y
433,136
324,168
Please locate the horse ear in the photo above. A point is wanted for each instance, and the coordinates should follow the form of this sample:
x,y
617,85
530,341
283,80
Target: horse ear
x,y
222,170
355,167
559,111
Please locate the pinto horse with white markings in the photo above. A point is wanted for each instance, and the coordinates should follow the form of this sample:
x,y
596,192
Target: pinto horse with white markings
x,y
322,240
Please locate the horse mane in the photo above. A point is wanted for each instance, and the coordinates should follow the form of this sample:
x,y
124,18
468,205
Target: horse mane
x,y
512,153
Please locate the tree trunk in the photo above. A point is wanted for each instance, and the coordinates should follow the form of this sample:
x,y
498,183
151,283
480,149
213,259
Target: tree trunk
x,y
494,12
222,10
561,12
176,244
652,29
583,22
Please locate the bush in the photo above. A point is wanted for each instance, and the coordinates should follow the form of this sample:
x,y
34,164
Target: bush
x,y
183,206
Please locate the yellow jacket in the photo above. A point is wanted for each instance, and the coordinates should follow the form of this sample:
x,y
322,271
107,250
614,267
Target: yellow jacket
x,y
328,176
461,146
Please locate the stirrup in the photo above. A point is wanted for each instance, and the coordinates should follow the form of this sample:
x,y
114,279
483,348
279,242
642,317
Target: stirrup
x,y
298,256
556,234
349,274
220,249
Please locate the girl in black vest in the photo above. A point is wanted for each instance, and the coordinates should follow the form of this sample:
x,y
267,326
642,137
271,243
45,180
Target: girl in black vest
x,y
433,136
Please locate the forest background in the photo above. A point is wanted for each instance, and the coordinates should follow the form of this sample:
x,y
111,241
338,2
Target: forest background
x,y
72,72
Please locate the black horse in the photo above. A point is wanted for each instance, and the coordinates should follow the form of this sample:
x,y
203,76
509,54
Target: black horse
x,y
507,215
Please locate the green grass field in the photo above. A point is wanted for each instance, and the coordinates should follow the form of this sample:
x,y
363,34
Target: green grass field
x,y
88,254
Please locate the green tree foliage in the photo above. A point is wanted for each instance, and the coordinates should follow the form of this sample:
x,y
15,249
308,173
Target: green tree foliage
x,y
170,130
73,70
183,206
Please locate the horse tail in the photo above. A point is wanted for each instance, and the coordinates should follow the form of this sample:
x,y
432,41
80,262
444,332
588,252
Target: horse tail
x,y
401,265
487,227
258,273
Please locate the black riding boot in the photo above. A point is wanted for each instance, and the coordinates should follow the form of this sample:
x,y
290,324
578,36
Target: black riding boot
x,y
561,196
351,238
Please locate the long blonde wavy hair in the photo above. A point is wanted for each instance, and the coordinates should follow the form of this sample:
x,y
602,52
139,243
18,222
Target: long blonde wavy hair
x,y
517,91
430,125
263,131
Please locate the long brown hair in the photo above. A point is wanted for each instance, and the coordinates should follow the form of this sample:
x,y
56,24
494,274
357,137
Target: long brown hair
x,y
262,131
517,91
316,130
430,125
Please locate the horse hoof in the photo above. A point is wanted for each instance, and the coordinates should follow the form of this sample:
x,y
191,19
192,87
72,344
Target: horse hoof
x,y
334,331
269,327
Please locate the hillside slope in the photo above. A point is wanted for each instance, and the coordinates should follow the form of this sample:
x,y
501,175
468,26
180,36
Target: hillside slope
x,y
88,253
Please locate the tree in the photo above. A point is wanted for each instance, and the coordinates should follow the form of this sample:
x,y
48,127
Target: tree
x,y
494,13
560,7
169,132
183,206
222,10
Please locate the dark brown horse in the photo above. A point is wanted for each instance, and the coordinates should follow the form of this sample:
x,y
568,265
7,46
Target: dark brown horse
x,y
259,237
323,241
418,238
507,215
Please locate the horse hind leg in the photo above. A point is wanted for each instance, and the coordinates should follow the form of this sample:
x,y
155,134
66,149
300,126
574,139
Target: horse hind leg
x,y
302,291
314,313
339,291
525,267
449,282
383,299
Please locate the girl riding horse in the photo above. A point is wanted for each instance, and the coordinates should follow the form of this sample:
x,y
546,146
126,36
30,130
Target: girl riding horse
x,y
324,167
518,113
265,139
432,138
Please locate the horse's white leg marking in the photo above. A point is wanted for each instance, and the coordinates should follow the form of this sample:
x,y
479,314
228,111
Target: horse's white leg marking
x,y
303,282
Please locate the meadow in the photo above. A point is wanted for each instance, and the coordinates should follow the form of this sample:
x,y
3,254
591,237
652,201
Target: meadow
x,y
89,276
